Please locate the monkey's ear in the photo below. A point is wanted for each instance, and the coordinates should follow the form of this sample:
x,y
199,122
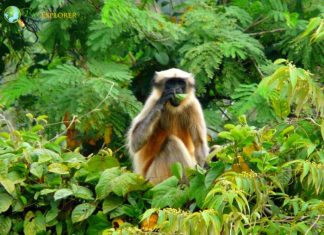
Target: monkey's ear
x,y
155,78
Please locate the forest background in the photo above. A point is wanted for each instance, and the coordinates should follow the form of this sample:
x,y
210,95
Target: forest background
x,y
69,88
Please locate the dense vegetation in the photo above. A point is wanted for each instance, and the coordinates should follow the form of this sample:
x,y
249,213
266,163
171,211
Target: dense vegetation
x,y
70,87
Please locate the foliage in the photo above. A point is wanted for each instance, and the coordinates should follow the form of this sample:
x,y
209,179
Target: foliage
x,y
253,189
115,46
67,173
276,95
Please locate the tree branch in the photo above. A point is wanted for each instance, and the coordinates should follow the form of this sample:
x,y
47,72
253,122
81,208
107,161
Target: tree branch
x,y
270,31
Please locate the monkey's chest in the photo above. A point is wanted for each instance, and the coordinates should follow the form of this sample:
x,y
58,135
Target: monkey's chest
x,y
172,128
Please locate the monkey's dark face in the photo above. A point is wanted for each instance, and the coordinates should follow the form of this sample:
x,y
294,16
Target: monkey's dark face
x,y
170,88
175,86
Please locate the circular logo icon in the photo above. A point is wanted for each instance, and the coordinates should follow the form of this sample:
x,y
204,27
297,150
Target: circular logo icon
x,y
12,14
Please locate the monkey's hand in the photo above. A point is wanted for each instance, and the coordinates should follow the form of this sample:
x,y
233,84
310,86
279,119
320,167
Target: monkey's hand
x,y
165,97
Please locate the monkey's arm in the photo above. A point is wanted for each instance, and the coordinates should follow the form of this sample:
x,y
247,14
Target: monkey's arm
x,y
145,123
198,131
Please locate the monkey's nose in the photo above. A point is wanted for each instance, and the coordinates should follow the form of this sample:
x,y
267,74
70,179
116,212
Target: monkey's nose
x,y
178,90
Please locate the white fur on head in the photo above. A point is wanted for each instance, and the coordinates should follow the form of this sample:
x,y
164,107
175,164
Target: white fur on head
x,y
174,73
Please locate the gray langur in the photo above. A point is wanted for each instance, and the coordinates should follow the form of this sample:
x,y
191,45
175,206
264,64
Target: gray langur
x,y
168,130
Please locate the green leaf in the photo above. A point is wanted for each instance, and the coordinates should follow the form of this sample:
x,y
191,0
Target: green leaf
x,y
5,225
120,182
82,192
97,223
40,222
34,223
73,157
180,97
37,169
162,57
58,168
226,135
101,163
110,203
8,185
216,170
104,187
167,193
280,61
60,139
29,224
62,193
5,202
293,76
51,214
47,191
197,189
82,212
177,170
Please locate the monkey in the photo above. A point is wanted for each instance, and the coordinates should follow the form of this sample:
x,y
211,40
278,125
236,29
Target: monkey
x,y
168,130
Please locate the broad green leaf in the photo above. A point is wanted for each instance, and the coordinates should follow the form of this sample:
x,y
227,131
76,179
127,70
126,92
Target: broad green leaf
x,y
120,182
53,147
97,223
40,222
62,193
58,168
47,191
198,189
167,193
177,170
29,224
51,215
293,76
96,164
82,192
34,223
280,61
5,225
73,157
226,135
45,155
162,57
110,203
37,169
103,188
60,139
216,170
82,212
5,202
8,185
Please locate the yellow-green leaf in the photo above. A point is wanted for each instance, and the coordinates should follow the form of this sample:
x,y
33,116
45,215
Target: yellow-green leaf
x,y
58,168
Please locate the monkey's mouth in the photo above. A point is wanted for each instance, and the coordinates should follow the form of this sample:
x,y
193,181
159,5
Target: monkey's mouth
x,y
174,101
177,98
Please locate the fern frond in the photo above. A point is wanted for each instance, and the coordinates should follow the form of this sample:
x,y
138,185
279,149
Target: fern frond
x,y
11,90
204,58
102,36
242,16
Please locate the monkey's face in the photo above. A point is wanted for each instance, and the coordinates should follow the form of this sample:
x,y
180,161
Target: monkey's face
x,y
173,87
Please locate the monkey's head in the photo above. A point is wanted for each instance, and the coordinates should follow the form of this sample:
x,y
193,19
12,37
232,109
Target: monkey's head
x,y
174,83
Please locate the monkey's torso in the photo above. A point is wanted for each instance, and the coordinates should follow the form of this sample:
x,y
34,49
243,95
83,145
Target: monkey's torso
x,y
167,126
